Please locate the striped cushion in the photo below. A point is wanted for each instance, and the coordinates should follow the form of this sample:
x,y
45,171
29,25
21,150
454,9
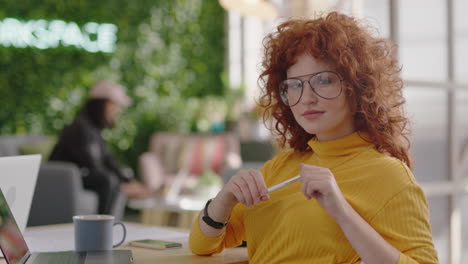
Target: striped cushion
x,y
202,153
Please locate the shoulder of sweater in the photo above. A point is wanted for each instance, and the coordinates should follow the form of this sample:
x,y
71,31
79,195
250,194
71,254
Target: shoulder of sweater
x,y
391,167
386,179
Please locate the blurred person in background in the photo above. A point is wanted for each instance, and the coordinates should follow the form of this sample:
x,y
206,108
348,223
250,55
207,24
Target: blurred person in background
x,y
335,94
81,143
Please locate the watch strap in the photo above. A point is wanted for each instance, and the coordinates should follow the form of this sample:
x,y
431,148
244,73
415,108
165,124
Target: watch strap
x,y
209,221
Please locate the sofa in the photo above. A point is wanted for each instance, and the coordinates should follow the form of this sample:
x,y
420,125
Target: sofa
x,y
171,156
59,192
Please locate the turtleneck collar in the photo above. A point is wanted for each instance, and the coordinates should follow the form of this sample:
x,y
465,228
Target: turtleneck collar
x,y
345,146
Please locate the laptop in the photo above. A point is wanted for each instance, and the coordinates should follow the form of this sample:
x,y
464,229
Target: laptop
x,y
18,176
16,251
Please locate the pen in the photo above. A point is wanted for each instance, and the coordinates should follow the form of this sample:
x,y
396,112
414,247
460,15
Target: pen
x,y
286,182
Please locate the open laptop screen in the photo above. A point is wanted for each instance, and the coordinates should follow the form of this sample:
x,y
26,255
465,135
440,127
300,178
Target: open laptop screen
x,y
18,176
12,243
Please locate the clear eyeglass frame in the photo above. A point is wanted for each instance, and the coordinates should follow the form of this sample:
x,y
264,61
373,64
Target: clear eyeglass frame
x,y
283,87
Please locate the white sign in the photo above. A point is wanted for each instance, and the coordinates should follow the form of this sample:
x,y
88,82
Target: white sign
x,y
42,34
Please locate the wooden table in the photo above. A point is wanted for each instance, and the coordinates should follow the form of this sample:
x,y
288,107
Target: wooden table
x,y
183,255
141,255
159,211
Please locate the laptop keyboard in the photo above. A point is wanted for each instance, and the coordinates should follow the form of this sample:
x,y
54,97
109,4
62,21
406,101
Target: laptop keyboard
x,y
68,257
72,257
109,257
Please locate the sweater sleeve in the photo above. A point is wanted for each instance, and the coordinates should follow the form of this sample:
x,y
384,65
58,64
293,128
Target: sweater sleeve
x,y
201,244
404,223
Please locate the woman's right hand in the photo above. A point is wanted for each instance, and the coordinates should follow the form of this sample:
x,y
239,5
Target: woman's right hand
x,y
247,187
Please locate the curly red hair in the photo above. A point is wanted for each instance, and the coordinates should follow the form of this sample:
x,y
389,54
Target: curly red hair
x,y
367,66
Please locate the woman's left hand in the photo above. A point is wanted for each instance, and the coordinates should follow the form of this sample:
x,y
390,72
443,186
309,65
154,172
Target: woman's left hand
x,y
320,183
135,190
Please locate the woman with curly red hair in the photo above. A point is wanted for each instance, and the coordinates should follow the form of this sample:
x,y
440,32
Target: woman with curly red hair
x,y
335,95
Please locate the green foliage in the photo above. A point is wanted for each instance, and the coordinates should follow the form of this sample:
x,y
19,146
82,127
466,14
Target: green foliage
x,y
167,52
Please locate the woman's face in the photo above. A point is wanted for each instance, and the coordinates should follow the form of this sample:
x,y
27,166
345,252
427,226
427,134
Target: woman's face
x,y
328,119
112,111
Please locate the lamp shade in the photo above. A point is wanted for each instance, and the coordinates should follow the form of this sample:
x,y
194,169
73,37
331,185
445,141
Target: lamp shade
x,y
255,8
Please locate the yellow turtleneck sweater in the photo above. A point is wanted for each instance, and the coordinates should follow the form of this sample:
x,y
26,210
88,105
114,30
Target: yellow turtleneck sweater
x,y
288,228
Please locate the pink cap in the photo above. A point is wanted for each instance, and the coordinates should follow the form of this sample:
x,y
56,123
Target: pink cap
x,y
110,90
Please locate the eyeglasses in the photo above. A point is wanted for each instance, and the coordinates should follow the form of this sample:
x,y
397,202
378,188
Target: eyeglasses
x,y
325,84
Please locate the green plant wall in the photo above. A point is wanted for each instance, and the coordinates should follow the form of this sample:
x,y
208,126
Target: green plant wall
x,y
168,52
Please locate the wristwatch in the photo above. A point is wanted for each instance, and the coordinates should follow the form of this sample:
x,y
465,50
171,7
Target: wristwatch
x,y
209,221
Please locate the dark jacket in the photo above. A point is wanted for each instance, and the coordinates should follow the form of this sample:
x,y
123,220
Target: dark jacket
x,y
82,144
